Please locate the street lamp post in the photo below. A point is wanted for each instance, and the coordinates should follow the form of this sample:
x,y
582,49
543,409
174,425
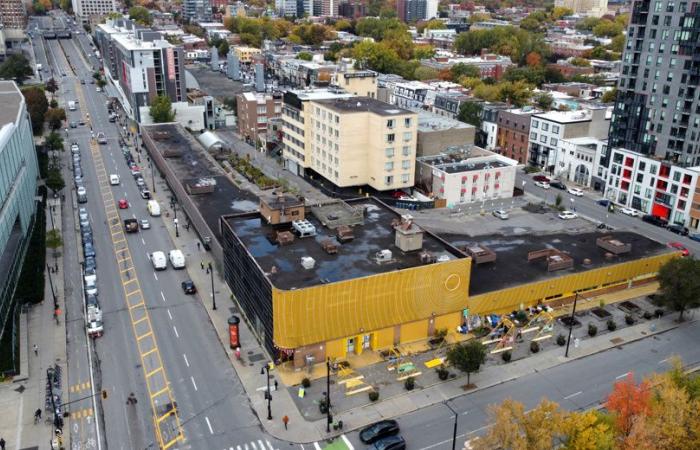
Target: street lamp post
x,y
53,294
329,418
454,430
268,395
213,295
571,325
153,177
177,230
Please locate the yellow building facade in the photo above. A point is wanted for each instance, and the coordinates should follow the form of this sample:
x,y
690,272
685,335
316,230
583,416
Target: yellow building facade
x,y
378,312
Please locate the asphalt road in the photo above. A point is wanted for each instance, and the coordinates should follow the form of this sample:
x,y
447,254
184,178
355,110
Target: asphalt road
x,y
581,384
213,407
586,206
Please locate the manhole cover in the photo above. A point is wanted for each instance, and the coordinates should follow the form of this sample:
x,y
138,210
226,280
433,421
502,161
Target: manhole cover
x,y
257,357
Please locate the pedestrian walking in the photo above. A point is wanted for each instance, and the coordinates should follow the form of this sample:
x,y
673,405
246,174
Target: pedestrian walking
x,y
2,444
207,270
198,246
285,420
275,385
36,350
201,263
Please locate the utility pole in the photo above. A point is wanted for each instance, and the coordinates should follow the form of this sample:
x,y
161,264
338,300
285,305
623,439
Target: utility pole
x,y
213,295
454,430
268,395
53,294
329,418
571,325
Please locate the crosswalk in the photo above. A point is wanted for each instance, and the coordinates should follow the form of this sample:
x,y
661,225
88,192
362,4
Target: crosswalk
x,y
254,445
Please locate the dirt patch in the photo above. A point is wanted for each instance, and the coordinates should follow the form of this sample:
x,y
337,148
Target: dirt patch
x,y
600,313
568,321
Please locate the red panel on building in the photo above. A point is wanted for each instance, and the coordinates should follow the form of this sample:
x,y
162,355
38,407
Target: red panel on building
x,y
661,210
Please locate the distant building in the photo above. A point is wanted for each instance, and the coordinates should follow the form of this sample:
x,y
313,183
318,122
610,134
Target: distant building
x,y
489,65
85,10
549,128
513,135
294,8
410,94
18,184
412,10
254,112
13,14
362,83
197,10
353,9
447,103
141,64
488,137
466,174
582,158
436,133
246,54
593,8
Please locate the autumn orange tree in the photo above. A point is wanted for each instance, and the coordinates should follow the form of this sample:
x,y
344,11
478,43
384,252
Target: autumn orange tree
x,y
628,401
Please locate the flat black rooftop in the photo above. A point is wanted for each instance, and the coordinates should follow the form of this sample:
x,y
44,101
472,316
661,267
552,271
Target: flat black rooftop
x,y
511,267
192,165
362,104
355,259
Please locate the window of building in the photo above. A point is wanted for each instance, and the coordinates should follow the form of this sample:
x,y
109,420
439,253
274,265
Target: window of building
x,y
545,126
533,136
407,136
407,122
553,142
390,123
389,166
405,178
543,138
658,6
390,137
406,150
406,164
389,180
535,124
389,152
555,129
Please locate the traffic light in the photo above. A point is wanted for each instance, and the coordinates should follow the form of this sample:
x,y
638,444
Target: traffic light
x,y
104,394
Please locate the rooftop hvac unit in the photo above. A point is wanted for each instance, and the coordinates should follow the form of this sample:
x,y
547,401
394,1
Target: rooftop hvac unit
x,y
304,228
383,256
308,262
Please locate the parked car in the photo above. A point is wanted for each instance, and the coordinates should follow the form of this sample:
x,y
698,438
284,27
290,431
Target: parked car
x,y
694,237
655,220
145,194
567,215
82,213
575,192
379,430
678,246
541,178
603,202
88,250
501,214
390,443
188,287
542,184
557,184
114,179
90,262
73,125
678,229
145,224
629,211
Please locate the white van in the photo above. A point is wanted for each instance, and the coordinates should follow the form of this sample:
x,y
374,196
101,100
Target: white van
x,y
71,105
153,208
177,259
158,260
114,179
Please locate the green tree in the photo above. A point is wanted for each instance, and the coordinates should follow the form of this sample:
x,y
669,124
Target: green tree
x,y
467,357
609,96
53,141
51,86
580,62
377,28
55,117
223,47
343,25
544,100
54,180
460,70
425,73
517,93
305,56
53,237
587,23
679,283
140,15
37,105
618,43
101,83
608,28
423,52
470,112
67,6
559,11
161,110
16,67
529,74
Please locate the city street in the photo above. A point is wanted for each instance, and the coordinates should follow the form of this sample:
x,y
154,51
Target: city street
x,y
212,406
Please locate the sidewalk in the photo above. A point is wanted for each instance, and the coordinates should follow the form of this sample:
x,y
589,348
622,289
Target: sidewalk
x,y
27,391
305,429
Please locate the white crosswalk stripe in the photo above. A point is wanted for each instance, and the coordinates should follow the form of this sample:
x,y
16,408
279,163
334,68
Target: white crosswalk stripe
x,y
316,446
262,446
259,445
253,445
269,446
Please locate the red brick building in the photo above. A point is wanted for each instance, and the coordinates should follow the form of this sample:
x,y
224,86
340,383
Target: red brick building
x,y
512,140
254,111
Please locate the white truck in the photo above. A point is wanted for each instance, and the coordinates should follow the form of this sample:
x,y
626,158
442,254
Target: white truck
x,y
177,259
158,260
71,105
153,208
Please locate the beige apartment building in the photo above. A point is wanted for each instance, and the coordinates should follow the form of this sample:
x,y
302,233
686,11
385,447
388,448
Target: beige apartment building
x,y
358,82
246,54
363,141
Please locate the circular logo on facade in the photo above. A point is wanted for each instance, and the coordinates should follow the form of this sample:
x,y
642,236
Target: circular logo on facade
x,y
452,282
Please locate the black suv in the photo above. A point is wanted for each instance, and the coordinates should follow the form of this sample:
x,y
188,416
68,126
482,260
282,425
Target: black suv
x,y
557,184
655,220
678,229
